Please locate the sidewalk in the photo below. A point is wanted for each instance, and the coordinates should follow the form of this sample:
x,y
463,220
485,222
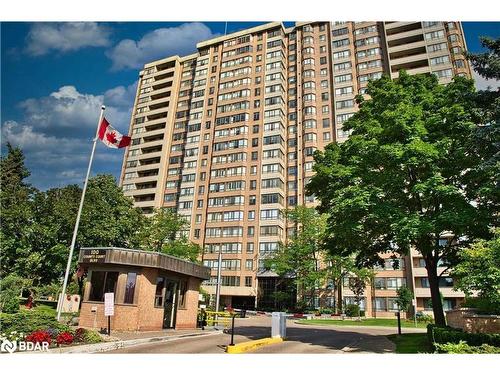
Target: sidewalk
x,y
126,339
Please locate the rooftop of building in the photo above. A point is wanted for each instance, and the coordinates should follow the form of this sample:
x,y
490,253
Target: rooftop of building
x,y
141,258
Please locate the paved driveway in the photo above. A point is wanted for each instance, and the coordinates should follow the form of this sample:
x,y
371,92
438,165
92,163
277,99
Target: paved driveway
x,y
300,339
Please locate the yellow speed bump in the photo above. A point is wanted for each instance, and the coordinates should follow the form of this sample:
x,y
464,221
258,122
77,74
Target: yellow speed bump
x,y
252,345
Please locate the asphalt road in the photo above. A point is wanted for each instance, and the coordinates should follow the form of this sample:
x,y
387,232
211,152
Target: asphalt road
x,y
302,339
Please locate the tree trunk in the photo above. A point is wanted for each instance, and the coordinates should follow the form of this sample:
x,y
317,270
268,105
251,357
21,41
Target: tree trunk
x,y
437,304
338,305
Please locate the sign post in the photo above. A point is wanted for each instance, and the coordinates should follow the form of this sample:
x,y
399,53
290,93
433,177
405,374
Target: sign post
x,y
109,308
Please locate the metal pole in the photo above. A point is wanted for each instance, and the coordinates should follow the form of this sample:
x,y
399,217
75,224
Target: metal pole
x,y
232,331
109,325
217,290
75,231
399,322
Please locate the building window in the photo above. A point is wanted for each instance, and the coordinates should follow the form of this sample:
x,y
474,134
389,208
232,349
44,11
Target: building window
x,y
248,281
249,264
160,284
182,294
130,287
102,282
380,304
250,247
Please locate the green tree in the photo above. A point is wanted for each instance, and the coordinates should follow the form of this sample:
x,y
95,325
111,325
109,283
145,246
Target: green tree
x,y
404,298
479,269
108,219
401,180
165,232
17,229
300,256
482,178
337,268
357,284
487,64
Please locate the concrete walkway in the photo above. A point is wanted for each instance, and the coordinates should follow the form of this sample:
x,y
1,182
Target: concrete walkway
x,y
121,340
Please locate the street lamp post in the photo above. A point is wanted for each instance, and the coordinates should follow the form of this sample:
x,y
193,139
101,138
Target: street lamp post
x,y
217,288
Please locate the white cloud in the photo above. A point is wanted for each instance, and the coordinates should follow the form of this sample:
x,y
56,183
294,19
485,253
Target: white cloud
x,y
67,110
64,37
159,43
57,130
121,95
483,83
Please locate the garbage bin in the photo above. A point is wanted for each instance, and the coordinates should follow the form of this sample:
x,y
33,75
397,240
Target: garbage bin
x,y
243,313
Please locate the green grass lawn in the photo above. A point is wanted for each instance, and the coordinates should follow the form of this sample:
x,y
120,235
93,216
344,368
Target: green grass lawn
x,y
411,343
370,322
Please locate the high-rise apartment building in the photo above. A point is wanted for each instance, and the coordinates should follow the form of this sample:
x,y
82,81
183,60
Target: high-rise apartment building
x,y
226,136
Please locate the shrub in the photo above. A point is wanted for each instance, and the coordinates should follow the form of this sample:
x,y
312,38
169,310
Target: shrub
x,y
39,337
483,305
11,287
424,318
79,334
326,310
463,348
53,332
65,338
13,336
446,335
29,321
91,337
352,310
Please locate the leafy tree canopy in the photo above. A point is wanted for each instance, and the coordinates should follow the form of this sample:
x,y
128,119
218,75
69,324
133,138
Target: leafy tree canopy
x,y
165,232
407,175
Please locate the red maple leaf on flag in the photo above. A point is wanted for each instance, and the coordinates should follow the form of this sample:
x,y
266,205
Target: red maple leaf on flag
x,y
111,137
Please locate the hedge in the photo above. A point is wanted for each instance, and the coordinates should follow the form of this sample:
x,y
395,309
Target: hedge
x,y
463,348
28,321
446,335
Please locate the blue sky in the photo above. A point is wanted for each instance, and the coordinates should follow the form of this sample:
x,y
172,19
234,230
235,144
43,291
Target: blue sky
x,y
54,77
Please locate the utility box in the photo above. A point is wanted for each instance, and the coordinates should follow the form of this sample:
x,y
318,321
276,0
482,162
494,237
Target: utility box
x,y
278,324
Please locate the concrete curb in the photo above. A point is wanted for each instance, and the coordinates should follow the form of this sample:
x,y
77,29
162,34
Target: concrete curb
x,y
108,346
407,329
252,345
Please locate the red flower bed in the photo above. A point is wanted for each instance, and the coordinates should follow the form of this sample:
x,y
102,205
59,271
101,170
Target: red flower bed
x,y
39,337
64,338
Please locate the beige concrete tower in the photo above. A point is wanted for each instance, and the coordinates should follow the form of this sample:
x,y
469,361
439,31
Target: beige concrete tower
x,y
226,136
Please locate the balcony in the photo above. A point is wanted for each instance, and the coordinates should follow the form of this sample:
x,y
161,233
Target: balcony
x,y
410,62
446,292
424,69
399,27
405,37
401,50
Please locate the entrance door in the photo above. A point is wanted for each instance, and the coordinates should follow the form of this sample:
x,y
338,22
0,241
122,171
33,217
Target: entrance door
x,y
170,304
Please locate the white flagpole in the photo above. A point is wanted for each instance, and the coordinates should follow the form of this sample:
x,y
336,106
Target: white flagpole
x,y
75,231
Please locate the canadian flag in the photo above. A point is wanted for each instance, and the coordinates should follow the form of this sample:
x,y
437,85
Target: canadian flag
x,y
110,137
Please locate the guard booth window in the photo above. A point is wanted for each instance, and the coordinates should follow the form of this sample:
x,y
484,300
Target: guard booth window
x,y
182,294
130,287
160,285
102,282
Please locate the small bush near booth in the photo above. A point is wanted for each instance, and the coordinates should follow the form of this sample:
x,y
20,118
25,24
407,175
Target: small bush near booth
x,y
29,321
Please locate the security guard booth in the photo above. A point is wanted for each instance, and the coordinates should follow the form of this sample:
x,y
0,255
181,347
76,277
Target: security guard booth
x,y
152,291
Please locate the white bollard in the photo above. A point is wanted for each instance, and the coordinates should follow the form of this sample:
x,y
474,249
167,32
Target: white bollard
x,y
278,324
